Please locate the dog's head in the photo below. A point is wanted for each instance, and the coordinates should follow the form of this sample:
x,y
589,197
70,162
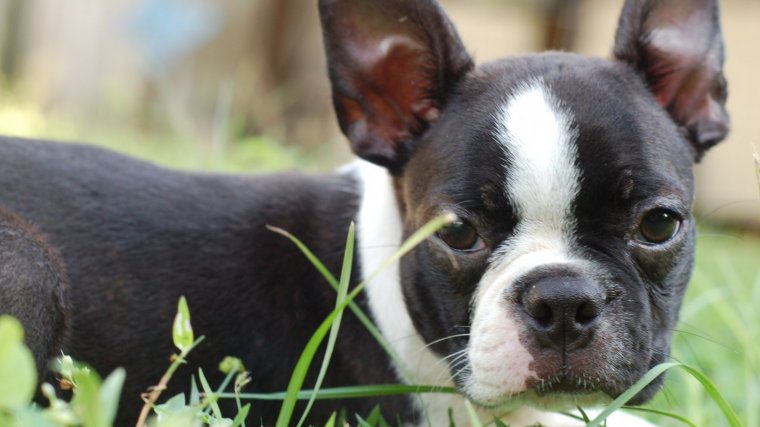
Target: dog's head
x,y
571,178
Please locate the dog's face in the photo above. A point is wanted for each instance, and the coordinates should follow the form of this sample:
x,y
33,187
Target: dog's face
x,y
574,239
570,178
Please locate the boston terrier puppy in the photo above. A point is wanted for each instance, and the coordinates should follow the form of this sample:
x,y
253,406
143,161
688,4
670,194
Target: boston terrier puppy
x,y
558,284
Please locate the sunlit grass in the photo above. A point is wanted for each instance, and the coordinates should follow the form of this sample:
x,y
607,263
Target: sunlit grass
x,y
719,333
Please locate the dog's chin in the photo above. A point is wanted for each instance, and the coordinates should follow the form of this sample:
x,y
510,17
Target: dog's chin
x,y
553,400
558,393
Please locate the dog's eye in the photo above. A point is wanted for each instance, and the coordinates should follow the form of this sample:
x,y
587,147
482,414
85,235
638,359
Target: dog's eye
x,y
658,226
461,236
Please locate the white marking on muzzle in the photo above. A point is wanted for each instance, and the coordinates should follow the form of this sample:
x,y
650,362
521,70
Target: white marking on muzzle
x,y
542,182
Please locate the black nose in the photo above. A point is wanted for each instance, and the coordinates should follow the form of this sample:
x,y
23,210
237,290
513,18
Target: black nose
x,y
563,311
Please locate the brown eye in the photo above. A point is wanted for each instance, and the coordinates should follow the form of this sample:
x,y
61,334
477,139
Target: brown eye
x,y
658,226
461,236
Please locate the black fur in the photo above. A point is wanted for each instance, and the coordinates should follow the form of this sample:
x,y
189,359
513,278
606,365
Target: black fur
x,y
33,287
134,237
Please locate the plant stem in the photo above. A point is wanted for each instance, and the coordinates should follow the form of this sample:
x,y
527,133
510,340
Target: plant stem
x,y
155,392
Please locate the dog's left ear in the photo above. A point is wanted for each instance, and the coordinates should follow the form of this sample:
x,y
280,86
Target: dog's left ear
x,y
392,64
677,47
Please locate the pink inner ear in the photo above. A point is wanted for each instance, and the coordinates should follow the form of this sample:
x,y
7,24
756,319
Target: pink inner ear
x,y
677,49
683,69
391,74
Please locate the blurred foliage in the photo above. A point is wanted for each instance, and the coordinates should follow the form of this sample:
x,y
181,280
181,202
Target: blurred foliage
x,y
179,149
719,330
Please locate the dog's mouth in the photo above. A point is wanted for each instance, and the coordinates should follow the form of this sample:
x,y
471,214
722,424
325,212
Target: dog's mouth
x,y
566,383
563,388
560,392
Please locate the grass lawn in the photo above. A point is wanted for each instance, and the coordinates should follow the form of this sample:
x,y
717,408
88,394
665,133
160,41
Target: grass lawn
x,y
719,332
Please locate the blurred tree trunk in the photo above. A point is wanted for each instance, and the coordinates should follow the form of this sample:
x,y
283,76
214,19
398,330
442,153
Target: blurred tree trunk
x,y
561,25
11,47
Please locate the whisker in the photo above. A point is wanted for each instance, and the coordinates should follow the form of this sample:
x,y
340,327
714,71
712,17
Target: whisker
x,y
444,339
456,358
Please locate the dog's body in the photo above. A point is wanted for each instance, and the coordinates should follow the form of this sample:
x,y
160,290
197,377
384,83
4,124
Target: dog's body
x,y
559,282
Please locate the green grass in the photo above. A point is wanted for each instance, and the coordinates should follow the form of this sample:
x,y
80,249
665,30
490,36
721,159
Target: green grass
x,y
719,332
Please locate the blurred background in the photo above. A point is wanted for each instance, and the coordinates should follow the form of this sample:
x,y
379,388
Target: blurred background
x,y
240,85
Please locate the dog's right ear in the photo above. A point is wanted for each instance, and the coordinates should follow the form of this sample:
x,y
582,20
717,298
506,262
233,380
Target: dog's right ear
x,y
392,64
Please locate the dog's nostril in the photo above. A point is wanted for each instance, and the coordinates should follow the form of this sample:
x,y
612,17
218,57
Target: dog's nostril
x,y
542,313
587,312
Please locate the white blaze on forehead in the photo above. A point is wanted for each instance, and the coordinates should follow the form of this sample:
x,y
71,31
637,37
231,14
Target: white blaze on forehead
x,y
542,182
539,141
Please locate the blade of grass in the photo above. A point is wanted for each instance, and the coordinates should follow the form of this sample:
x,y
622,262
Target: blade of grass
x,y
650,376
210,396
323,270
662,413
728,412
358,312
348,392
304,361
345,279
331,421
242,414
415,239
474,420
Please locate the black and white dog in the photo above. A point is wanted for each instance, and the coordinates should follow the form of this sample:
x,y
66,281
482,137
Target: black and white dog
x,y
558,284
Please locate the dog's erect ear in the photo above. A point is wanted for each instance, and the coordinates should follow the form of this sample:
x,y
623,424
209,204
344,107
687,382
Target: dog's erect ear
x,y
392,64
677,47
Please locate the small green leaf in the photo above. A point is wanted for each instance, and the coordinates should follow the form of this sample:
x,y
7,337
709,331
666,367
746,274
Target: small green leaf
x,y
109,394
374,416
241,415
195,397
499,423
182,332
331,421
182,417
174,404
86,401
220,422
18,375
30,417
362,422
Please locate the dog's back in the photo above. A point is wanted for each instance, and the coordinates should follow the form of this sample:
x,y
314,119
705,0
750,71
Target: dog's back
x,y
135,237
